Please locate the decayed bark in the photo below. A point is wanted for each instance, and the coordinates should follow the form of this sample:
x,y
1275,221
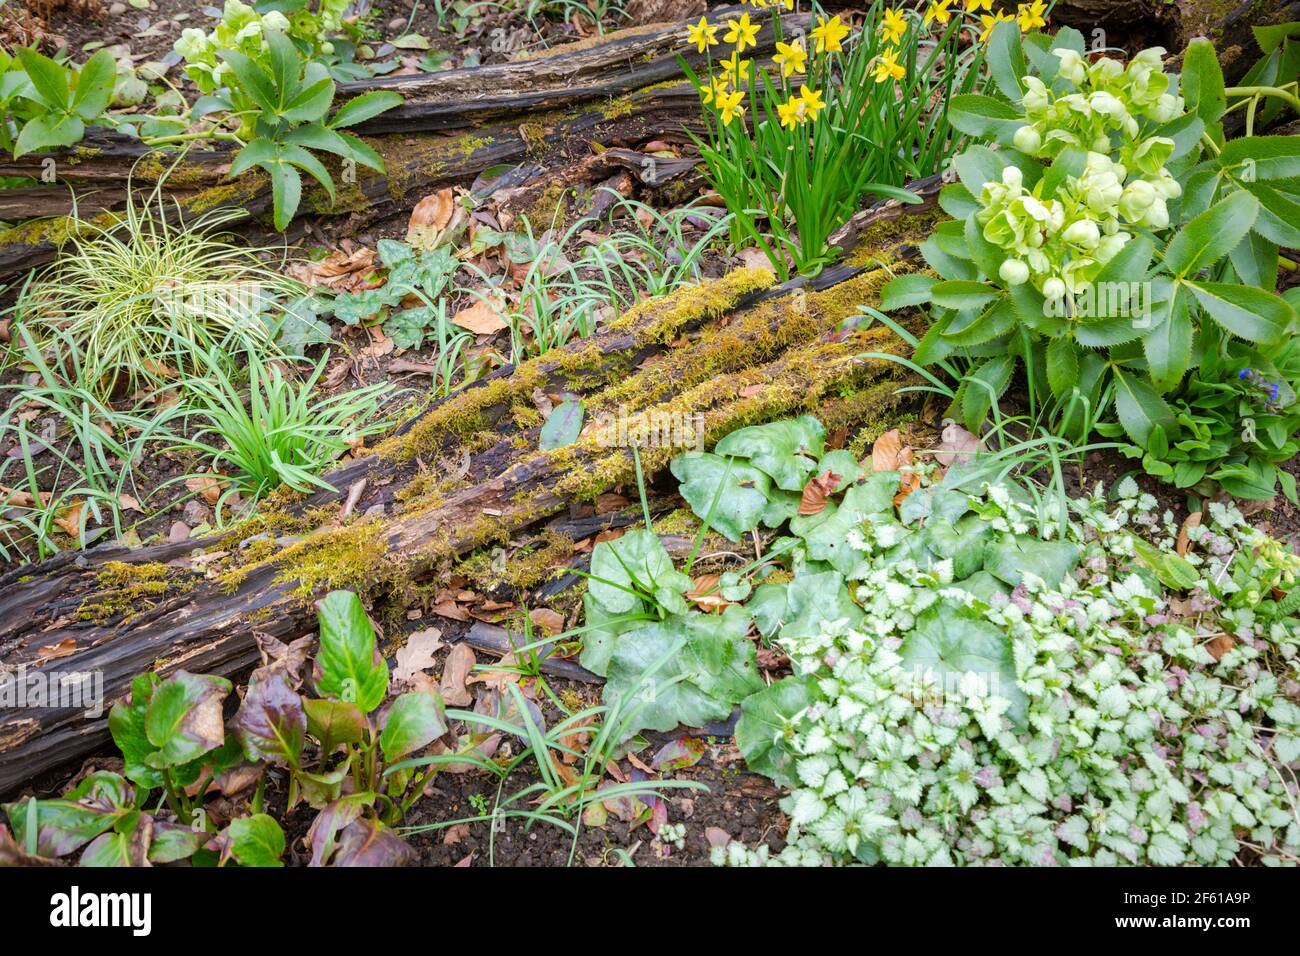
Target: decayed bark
x,y
734,351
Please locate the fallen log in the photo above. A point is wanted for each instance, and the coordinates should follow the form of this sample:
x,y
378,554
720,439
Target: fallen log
x,y
616,90
733,352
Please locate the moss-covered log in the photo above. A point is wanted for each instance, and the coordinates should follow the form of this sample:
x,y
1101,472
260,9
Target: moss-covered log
x,y
616,90
734,352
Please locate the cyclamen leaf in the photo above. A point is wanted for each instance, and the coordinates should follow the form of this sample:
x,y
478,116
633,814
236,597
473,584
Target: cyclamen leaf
x,y
562,426
638,554
949,640
786,450
744,491
761,730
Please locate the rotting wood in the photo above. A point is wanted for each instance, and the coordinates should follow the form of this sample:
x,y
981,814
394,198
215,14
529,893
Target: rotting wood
x,y
763,354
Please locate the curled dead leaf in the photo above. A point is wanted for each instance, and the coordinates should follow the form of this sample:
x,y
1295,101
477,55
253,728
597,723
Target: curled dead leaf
x,y
1184,538
1219,645
813,500
455,672
888,452
956,446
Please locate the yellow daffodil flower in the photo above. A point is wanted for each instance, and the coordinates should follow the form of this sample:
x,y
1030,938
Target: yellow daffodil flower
x,y
792,58
829,34
793,112
887,66
990,22
1030,15
735,69
741,32
713,90
974,6
729,107
893,26
938,12
812,101
704,34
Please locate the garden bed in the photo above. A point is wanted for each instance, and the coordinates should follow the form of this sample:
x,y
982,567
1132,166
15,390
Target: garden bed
x,y
526,437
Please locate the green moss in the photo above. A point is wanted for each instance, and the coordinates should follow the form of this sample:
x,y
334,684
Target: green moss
x,y
55,230
680,522
878,243
353,557
411,161
523,570
550,209
534,137
463,416
661,320
129,589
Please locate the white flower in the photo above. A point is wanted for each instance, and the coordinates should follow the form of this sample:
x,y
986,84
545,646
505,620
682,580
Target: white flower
x,y
1072,66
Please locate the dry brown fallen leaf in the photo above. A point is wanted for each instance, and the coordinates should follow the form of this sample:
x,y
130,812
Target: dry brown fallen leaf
x,y
889,453
380,344
1184,538
340,271
813,500
548,621
69,519
908,482
704,593
208,487
435,218
450,610
65,648
455,672
485,317
1219,645
956,446
129,503
417,653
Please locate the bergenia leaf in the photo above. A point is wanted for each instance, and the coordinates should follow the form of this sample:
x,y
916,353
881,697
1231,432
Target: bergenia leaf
x,y
271,723
348,669
184,719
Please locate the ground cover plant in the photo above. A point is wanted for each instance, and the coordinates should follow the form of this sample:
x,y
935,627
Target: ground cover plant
x,y
853,436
